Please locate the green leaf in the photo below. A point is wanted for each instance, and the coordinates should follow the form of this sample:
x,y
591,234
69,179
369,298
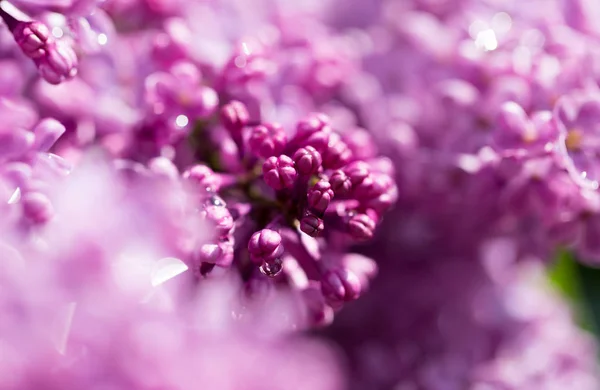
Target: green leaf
x,y
578,287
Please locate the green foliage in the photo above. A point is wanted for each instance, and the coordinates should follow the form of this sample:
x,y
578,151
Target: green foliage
x,y
580,286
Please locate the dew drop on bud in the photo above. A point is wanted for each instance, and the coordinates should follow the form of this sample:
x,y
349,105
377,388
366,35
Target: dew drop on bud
x,y
271,268
216,200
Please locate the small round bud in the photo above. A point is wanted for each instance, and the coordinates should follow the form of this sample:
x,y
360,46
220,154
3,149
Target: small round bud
x,y
59,64
308,161
362,227
340,285
221,218
32,38
336,153
47,132
340,183
267,140
163,167
265,245
279,172
319,196
202,177
234,116
37,207
312,225
357,172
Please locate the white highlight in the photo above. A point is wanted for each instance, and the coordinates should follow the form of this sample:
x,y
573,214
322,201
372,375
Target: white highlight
x,y
486,40
476,27
63,337
102,39
182,121
166,269
245,49
15,197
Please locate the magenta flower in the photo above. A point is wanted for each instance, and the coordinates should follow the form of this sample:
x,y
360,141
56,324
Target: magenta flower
x,y
187,187
56,61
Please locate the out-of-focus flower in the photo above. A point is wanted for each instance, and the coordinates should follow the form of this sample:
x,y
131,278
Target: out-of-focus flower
x,y
457,324
95,301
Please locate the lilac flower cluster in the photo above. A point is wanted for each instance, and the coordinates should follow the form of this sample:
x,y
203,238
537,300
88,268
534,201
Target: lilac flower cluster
x,y
114,311
494,104
269,213
187,186
460,324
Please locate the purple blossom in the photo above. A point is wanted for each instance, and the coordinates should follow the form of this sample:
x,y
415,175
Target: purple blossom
x,y
56,61
308,160
279,172
190,185
267,140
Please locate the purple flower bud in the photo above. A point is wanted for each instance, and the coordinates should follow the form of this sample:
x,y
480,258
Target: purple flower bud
x,y
382,165
340,285
220,254
318,140
312,225
267,140
163,167
59,64
265,245
18,173
234,116
357,171
374,185
313,123
313,131
279,172
221,217
37,207
308,161
173,44
360,142
32,38
319,313
362,226
383,202
202,177
514,124
340,183
14,143
336,154
47,132
319,196
56,61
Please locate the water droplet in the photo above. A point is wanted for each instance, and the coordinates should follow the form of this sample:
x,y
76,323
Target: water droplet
x,y
240,61
216,200
205,268
57,32
271,268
